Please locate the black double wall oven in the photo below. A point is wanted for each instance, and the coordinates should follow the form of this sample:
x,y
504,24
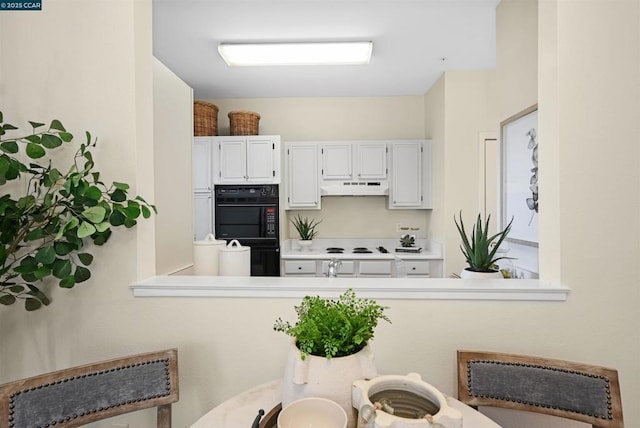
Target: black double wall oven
x,y
250,214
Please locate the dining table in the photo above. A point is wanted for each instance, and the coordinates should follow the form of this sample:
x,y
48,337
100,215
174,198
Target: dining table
x,y
262,402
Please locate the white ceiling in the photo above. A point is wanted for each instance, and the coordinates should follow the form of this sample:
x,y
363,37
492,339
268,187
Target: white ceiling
x,y
410,39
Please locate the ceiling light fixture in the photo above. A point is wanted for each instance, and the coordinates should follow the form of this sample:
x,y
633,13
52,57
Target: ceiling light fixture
x,y
258,54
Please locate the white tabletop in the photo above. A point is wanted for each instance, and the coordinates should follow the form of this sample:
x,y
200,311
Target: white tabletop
x,y
241,410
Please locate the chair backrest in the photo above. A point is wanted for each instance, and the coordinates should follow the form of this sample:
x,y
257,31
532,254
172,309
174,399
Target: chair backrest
x,y
566,389
77,396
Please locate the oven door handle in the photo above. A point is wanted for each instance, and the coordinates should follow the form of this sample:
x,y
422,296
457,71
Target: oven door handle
x,y
247,205
261,221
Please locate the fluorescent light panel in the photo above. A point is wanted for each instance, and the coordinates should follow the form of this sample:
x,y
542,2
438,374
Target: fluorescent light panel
x,y
256,54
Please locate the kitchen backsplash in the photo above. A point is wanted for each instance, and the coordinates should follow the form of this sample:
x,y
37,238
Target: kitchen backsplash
x,y
362,217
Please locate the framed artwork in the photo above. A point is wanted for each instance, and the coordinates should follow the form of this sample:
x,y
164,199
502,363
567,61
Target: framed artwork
x,y
519,175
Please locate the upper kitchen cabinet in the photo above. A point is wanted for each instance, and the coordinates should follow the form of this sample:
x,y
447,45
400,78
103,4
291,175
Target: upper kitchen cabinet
x,y
246,159
362,160
302,176
399,169
410,175
202,164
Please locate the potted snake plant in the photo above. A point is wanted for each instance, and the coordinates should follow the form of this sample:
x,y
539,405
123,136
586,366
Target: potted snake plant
x,y
480,249
306,229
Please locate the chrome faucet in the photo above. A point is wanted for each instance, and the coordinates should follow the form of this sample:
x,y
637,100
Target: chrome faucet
x,y
333,268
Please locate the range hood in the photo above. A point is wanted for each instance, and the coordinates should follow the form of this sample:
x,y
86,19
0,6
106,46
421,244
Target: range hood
x,y
354,188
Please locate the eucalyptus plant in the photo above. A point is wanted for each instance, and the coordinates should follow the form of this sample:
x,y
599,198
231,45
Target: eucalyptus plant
x,y
45,228
306,228
480,249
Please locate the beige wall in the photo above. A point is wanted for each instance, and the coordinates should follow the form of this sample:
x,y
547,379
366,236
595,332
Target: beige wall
x,y
517,82
469,112
434,124
516,56
173,128
588,94
459,108
316,119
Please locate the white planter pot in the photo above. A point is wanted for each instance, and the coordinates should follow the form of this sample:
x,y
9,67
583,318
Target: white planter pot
x,y
327,378
305,244
469,274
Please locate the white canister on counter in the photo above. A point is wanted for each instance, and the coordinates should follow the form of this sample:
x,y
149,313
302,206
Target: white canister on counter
x,y
235,260
205,255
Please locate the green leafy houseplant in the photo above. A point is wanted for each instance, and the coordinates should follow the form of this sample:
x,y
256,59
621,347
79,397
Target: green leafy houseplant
x,y
306,228
44,227
333,328
480,249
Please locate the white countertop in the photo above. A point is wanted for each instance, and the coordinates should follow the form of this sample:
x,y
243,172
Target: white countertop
x,y
383,288
241,410
290,250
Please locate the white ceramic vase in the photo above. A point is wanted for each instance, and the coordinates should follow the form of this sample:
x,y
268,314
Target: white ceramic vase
x,y
470,274
305,244
330,378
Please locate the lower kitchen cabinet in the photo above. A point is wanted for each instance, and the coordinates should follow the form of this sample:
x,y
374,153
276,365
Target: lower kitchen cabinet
x,y
299,267
374,268
417,268
347,268
353,268
365,268
203,215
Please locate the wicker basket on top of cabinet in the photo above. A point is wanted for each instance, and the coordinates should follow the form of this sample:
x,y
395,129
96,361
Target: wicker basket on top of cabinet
x,y
205,119
243,122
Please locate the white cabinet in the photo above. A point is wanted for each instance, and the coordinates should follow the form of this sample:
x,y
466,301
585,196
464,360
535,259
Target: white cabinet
x,y
373,268
203,215
302,176
420,268
246,159
410,165
362,160
321,168
347,268
202,164
337,163
299,267
202,188
371,161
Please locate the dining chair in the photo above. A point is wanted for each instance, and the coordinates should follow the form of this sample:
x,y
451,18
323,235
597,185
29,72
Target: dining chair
x,y
570,390
79,395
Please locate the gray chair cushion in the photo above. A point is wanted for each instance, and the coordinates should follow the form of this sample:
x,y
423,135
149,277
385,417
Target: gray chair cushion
x,y
63,400
541,386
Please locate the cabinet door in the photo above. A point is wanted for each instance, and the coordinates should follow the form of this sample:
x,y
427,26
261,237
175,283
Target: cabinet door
x,y
260,153
303,178
417,267
374,268
406,173
203,215
371,161
347,268
300,267
232,160
202,164
337,162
